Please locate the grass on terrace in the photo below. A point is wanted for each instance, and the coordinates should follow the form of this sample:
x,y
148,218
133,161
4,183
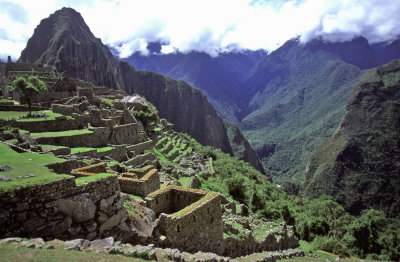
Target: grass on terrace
x,y
24,164
86,179
11,253
61,133
10,115
84,149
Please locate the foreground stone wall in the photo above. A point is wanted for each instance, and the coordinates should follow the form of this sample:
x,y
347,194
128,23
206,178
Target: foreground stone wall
x,y
63,210
141,187
196,227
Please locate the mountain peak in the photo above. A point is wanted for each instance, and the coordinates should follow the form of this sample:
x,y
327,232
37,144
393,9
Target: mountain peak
x,y
61,39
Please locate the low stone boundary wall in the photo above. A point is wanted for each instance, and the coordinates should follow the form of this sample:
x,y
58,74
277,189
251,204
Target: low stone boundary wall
x,y
140,187
97,139
118,153
141,147
47,125
66,110
66,167
20,108
89,170
62,210
141,159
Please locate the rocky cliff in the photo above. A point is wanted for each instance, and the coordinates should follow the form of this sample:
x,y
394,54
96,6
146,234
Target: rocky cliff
x,y
241,146
64,41
360,164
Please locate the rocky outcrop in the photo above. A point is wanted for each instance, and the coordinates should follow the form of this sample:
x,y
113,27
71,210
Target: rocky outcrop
x,y
64,41
358,165
241,147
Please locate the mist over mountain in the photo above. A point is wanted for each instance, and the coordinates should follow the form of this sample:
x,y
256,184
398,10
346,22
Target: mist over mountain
x,y
221,78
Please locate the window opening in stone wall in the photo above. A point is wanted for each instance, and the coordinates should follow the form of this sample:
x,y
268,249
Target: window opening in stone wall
x,y
208,210
194,218
156,201
178,228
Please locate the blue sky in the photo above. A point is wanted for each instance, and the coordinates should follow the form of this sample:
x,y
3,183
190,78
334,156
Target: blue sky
x,y
211,26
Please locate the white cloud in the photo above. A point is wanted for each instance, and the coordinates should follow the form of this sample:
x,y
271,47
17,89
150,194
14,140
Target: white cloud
x,y
208,25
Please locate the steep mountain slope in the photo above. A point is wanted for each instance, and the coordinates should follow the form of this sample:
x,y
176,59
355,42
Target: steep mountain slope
x,y
360,164
220,78
241,146
63,40
298,95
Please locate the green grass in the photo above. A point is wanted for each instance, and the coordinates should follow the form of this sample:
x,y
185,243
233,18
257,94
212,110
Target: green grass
x,y
86,179
85,149
25,164
10,115
185,181
161,156
61,133
49,147
309,248
11,253
103,149
75,150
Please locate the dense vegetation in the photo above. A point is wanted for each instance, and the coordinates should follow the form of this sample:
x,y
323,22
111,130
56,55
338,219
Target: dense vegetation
x,y
321,221
359,165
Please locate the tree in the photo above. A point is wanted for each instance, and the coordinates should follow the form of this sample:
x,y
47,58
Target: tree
x,y
27,88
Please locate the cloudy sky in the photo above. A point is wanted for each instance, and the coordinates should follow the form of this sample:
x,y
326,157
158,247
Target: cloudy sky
x,y
212,26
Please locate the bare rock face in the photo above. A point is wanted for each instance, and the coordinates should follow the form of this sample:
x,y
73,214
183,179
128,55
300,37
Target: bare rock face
x,y
64,41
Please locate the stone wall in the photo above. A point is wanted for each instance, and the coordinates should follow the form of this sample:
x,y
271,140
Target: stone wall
x,y
66,110
48,125
96,139
62,210
66,167
139,148
140,187
118,153
137,160
126,134
196,227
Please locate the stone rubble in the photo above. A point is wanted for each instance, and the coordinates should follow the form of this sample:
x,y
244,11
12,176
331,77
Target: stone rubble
x,y
149,252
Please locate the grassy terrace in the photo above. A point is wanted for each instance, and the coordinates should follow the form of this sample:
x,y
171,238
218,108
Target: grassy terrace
x,y
84,149
62,133
86,179
10,115
24,164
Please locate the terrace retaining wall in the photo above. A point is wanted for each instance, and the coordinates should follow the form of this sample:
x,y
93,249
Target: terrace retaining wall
x,y
140,187
62,210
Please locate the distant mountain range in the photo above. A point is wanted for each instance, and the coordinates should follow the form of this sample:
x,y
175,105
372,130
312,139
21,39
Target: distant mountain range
x,y
286,102
64,41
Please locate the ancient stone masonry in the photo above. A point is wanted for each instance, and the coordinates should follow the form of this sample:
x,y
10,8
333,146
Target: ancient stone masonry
x,y
190,219
137,160
140,186
140,147
48,125
89,170
63,210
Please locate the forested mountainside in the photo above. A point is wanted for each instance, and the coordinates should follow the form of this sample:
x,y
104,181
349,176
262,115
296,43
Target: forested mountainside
x,y
64,40
220,78
360,164
289,100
